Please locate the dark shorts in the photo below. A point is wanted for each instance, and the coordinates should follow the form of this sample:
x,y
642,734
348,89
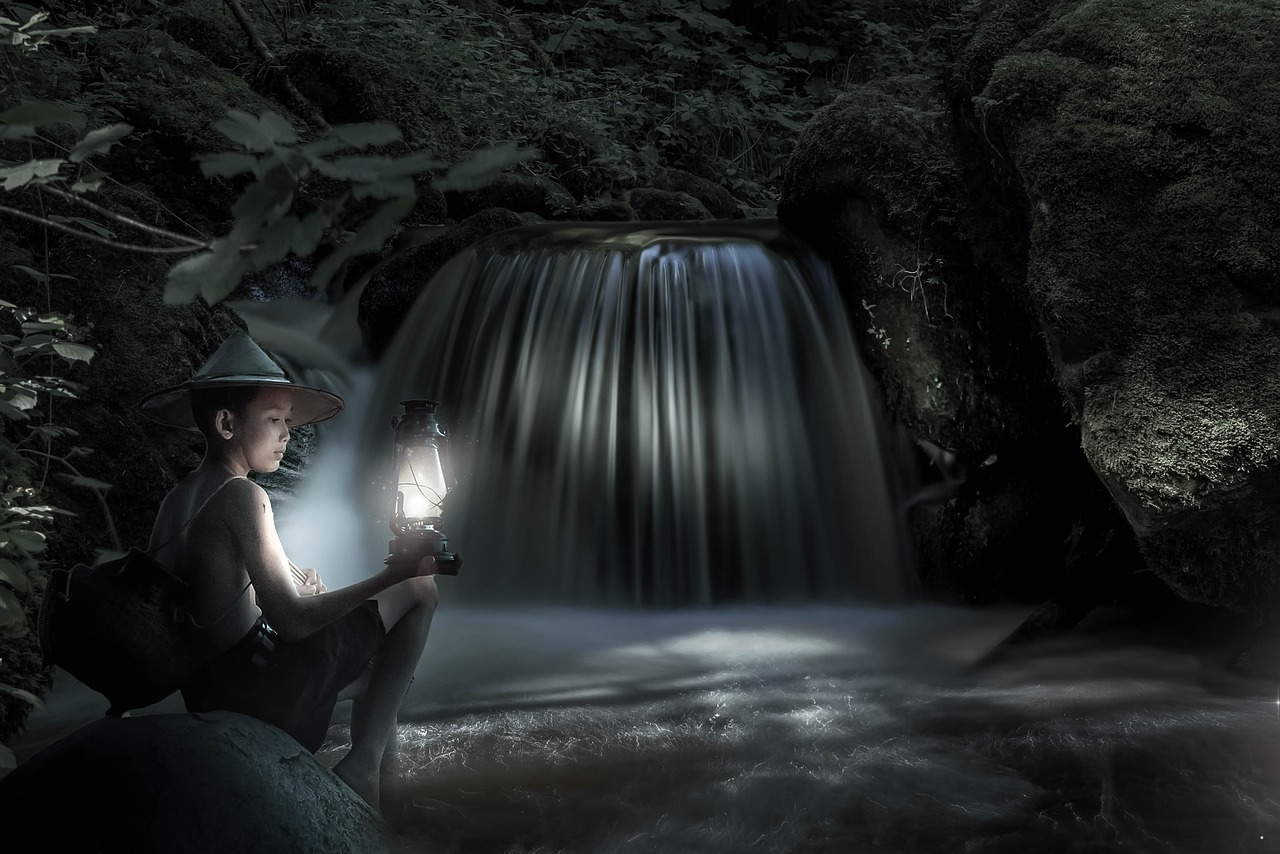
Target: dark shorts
x,y
293,686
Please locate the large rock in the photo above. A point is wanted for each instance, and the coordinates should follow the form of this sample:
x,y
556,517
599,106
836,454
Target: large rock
x,y
1144,138
717,200
214,782
666,205
1102,178
518,193
951,338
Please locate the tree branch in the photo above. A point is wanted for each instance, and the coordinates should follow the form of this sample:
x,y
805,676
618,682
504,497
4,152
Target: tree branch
x,y
125,220
299,102
93,238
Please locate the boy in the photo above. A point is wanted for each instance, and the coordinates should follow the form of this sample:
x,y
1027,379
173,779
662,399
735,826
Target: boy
x,y
280,646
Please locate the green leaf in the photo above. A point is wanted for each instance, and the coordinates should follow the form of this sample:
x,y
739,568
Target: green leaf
x,y
13,618
88,185
20,398
212,274
277,128
364,134
265,200
42,114
369,238
17,131
22,695
74,352
482,167
387,188
84,223
42,326
244,129
14,575
99,141
322,147
353,168
31,542
81,480
8,410
35,274
54,431
306,237
225,164
44,35
273,243
25,173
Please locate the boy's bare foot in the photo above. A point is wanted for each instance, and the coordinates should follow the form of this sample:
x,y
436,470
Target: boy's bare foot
x,y
361,781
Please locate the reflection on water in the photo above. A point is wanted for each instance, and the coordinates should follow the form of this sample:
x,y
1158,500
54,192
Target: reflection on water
x,y
824,729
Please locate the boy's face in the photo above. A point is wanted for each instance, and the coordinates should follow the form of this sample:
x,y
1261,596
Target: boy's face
x,y
263,430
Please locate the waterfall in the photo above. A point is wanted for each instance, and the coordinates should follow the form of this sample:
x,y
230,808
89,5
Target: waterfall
x,y
647,414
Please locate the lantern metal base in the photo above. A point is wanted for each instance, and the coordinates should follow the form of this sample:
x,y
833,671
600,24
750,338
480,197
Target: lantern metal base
x,y
416,545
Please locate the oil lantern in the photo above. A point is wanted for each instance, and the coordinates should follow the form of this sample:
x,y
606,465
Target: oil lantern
x,y
420,488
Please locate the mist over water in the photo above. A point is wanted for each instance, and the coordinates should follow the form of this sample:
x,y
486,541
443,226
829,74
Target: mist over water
x,y
824,729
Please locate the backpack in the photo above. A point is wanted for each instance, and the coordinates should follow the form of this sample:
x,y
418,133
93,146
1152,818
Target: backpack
x,y
122,627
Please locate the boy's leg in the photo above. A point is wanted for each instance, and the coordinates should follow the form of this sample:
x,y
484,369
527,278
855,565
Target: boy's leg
x,y
406,611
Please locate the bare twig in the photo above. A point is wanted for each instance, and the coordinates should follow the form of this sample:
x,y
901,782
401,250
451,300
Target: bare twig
x,y
124,187
299,102
97,493
125,220
93,238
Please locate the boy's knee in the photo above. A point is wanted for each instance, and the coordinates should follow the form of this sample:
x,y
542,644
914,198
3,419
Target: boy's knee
x,y
423,592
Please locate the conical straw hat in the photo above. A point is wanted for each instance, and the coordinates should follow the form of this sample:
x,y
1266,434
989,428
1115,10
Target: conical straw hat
x,y
238,362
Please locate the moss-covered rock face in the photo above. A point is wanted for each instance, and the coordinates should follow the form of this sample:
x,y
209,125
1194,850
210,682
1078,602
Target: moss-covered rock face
x,y
1146,138
876,184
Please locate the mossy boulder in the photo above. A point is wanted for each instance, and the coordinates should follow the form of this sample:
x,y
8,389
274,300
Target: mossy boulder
x,y
716,199
518,193
876,185
1145,138
666,205
197,783
1099,183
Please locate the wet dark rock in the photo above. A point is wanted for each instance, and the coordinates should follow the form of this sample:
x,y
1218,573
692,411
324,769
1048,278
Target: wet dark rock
x,y
519,193
719,201
606,211
1121,199
1144,145
876,186
431,208
195,783
395,286
666,205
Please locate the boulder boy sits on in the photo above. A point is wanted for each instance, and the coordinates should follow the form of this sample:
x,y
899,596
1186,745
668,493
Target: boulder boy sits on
x,y
281,646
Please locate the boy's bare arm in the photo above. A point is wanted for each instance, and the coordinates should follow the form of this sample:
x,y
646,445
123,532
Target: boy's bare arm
x,y
292,614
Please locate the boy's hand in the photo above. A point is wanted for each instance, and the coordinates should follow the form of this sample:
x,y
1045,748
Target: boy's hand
x,y
407,567
310,583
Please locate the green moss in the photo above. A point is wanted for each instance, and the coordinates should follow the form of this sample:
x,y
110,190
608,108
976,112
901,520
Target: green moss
x,y
1147,142
887,143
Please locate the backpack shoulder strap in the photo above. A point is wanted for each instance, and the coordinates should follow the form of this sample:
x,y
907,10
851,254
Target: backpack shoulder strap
x,y
192,517
181,530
